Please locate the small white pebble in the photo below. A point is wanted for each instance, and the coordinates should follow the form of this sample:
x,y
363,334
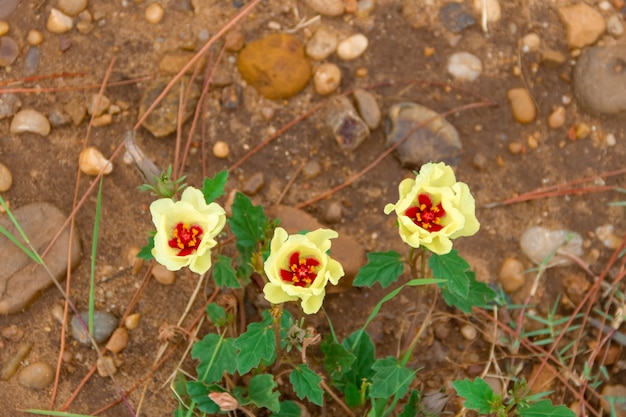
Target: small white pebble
x,y
610,139
6,179
154,13
469,332
91,161
531,42
221,149
58,22
34,37
352,47
327,78
29,120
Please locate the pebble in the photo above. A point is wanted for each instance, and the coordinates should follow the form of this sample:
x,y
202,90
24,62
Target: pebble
x,y
59,22
6,179
4,28
234,41
455,17
91,162
72,7
600,80
65,43
118,340
606,235
76,110
31,61
163,120
552,58
221,149
576,286
367,107
540,244
583,24
103,326
614,26
9,51
333,212
522,105
276,66
162,275
326,7
37,375
311,169
469,332
511,275
352,47
133,261
132,321
464,66
479,161
174,62
104,120
98,104
12,364
7,7
557,118
9,105
21,283
516,148
154,13
348,128
617,391
13,333
322,44
492,9
327,78
610,139
106,366
231,96
531,42
254,184
345,249
29,120
436,141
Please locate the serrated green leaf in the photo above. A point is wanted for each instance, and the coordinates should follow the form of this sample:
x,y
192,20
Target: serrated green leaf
x,y
364,351
478,395
382,267
410,408
452,268
479,295
213,188
216,355
217,315
288,409
199,393
247,222
261,392
390,378
145,253
544,409
224,274
306,384
256,344
337,359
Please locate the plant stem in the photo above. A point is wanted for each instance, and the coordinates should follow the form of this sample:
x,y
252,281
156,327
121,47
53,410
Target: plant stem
x,y
277,313
337,399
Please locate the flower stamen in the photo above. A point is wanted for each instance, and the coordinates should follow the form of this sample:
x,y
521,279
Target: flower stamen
x,y
425,215
301,271
186,238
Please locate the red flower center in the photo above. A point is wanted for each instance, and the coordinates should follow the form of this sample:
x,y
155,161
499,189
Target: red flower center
x,y
301,271
425,215
186,238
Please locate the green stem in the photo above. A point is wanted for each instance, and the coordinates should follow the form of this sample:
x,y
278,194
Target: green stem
x,y
277,313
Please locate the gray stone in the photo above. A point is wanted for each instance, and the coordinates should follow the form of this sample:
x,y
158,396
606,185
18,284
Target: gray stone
x,y
348,128
368,108
21,281
541,245
600,80
103,325
437,140
455,17
9,105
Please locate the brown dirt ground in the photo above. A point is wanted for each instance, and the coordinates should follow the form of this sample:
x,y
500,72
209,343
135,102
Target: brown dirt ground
x,y
45,169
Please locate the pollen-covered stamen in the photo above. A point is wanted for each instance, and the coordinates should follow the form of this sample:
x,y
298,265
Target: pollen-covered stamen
x,y
186,238
425,215
301,271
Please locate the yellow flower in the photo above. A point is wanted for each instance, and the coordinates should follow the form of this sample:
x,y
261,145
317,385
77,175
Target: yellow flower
x,y
186,230
299,268
434,208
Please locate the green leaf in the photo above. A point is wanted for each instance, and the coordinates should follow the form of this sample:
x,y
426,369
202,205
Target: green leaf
x,y
364,351
478,395
544,409
391,378
217,314
216,355
353,395
382,267
479,295
256,344
224,273
410,408
337,359
288,409
248,222
451,267
261,392
145,253
199,393
213,188
306,383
